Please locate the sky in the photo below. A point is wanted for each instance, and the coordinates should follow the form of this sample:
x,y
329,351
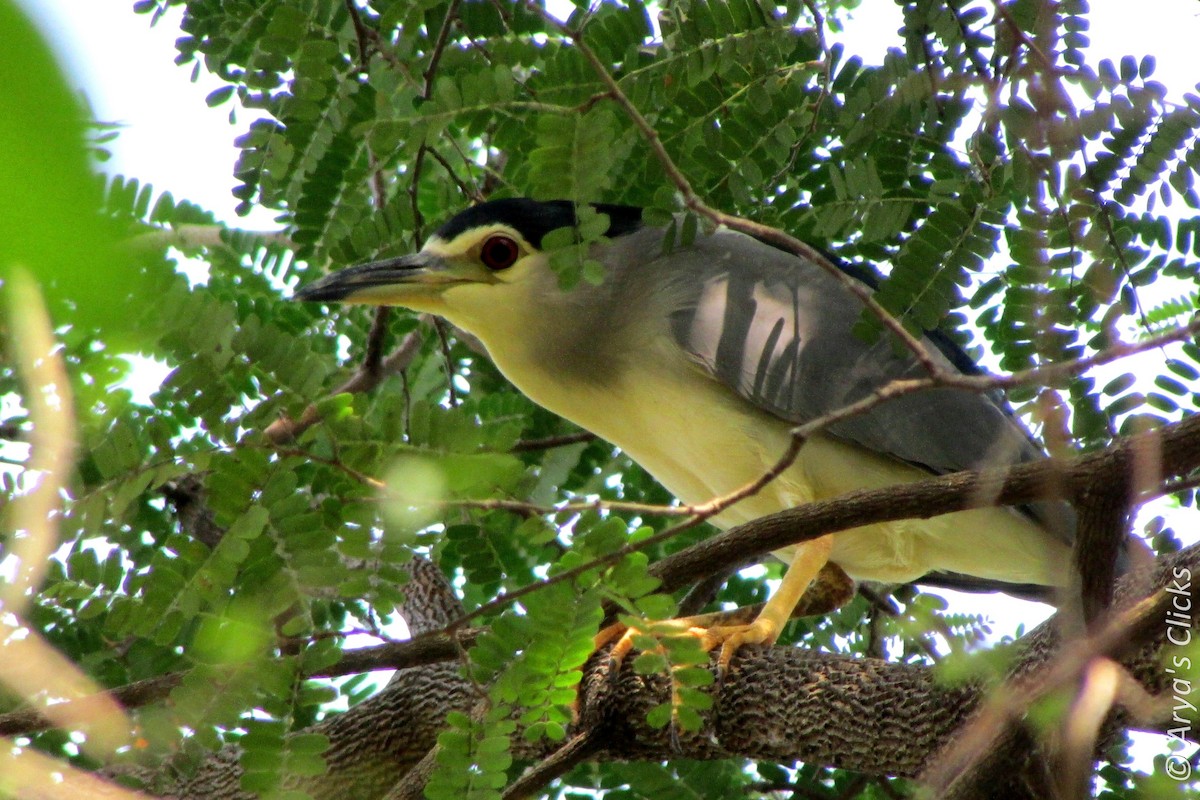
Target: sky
x,y
171,139
126,70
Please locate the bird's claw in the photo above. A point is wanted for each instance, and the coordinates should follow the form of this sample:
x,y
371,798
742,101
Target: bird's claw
x,y
730,638
733,637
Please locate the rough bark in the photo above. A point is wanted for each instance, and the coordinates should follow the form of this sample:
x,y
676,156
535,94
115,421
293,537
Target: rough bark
x,y
777,703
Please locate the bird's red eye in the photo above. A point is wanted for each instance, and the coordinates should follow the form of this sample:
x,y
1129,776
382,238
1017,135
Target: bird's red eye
x,y
499,252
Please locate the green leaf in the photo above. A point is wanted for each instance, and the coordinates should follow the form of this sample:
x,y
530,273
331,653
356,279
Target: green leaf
x,y
648,663
659,716
219,96
49,198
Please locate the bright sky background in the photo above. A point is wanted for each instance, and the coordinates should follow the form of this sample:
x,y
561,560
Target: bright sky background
x,y
172,140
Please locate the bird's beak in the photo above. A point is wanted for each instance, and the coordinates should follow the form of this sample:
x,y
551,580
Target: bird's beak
x,y
393,281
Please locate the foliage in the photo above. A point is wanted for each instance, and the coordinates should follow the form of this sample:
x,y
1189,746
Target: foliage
x,y
1052,203
50,225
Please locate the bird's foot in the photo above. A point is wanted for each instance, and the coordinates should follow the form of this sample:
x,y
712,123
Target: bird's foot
x,y
734,628
731,638
644,636
659,640
679,649
722,629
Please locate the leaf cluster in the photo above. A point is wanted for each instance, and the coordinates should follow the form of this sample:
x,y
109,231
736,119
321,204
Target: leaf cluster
x,y
992,175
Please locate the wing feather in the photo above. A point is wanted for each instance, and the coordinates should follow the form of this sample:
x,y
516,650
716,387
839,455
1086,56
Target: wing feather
x,y
779,330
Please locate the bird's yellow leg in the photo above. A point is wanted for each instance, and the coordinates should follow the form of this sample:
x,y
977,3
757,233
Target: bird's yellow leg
x,y
810,559
697,626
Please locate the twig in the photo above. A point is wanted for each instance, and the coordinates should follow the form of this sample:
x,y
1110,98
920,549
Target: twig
x,y
466,190
1019,34
29,666
1181,485
360,34
429,77
373,351
827,69
574,751
703,592
35,512
439,325
1008,703
1099,690
427,648
285,429
414,184
886,606
358,475
34,775
977,59
372,362
439,46
191,236
530,445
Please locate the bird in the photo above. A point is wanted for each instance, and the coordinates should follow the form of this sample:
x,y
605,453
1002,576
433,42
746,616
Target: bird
x,y
698,359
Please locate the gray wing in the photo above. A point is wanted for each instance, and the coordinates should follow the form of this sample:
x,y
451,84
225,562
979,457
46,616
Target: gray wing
x,y
779,330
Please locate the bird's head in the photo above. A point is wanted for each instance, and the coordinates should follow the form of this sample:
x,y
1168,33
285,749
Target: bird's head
x,y
485,258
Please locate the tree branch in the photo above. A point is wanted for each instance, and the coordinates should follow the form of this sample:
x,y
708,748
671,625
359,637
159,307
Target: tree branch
x,y
529,445
192,236
428,648
365,378
777,703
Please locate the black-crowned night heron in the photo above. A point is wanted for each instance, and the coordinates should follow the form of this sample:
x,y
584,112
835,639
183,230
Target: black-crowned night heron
x,y
699,360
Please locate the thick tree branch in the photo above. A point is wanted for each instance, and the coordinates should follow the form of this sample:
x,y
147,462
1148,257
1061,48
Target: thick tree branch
x,y
1179,445
778,703
866,715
